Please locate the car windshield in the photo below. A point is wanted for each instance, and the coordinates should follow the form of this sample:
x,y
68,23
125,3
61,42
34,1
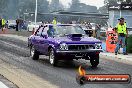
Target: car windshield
x,y
66,30
84,27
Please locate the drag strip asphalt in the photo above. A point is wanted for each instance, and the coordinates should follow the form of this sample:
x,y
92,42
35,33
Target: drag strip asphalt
x,y
16,52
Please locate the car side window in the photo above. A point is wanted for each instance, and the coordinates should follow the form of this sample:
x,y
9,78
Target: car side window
x,y
39,31
44,32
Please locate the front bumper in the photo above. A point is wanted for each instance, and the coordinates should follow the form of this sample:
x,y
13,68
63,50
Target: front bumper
x,y
79,54
80,51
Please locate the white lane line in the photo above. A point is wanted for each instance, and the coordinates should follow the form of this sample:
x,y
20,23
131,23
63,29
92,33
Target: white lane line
x,y
3,85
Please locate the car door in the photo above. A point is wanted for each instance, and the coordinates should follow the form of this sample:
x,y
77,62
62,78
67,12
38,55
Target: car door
x,y
44,43
37,39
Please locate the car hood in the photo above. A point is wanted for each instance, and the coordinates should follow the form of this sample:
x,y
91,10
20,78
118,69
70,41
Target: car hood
x,y
81,40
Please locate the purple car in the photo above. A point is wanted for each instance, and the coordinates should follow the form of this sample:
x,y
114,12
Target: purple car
x,y
64,42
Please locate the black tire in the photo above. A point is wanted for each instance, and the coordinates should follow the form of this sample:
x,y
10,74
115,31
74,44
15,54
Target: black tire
x,y
94,60
33,53
52,57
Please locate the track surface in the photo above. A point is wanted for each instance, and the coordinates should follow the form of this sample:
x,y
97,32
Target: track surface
x,y
16,53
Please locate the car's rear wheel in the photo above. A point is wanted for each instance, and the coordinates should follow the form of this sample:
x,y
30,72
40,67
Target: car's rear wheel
x,y
94,60
34,54
52,58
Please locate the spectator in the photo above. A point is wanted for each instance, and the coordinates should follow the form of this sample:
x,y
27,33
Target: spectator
x,y
121,30
50,32
54,22
17,23
2,23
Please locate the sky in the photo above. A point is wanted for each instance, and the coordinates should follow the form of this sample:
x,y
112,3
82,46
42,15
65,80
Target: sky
x,y
97,3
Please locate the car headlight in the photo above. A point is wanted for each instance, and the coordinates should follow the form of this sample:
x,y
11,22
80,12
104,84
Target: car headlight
x,y
98,46
63,46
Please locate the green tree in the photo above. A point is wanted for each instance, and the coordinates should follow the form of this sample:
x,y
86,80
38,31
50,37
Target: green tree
x,y
111,2
81,7
75,1
43,6
55,5
128,1
26,6
104,9
3,4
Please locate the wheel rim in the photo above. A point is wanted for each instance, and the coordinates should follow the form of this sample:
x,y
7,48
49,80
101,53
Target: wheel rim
x,y
32,51
51,57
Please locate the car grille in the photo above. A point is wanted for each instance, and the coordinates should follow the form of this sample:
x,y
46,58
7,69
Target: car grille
x,y
80,47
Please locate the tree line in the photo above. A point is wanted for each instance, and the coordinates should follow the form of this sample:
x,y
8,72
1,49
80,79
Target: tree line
x,y
12,9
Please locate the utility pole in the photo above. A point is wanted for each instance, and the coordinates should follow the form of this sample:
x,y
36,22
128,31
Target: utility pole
x,y
36,11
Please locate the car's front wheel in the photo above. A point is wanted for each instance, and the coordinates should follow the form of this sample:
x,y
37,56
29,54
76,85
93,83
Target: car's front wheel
x,y
94,60
52,58
34,54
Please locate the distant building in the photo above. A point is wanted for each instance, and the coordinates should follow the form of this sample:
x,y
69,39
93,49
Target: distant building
x,y
120,10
